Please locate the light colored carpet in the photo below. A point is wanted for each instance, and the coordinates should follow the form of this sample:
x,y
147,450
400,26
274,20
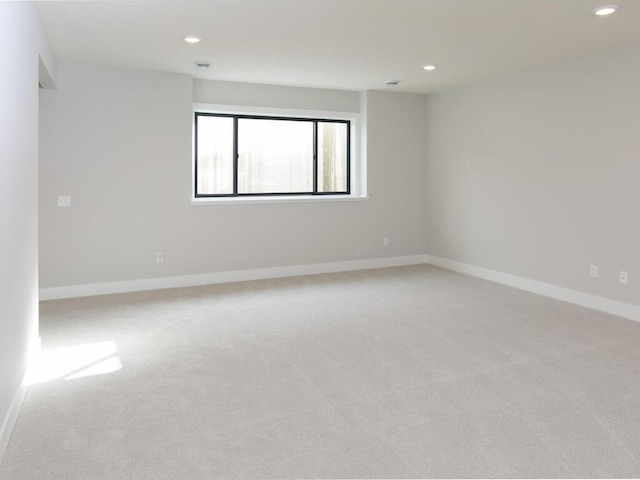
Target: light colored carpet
x,y
391,373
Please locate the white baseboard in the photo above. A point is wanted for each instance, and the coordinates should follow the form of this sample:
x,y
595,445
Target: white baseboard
x,y
606,305
613,307
73,291
9,422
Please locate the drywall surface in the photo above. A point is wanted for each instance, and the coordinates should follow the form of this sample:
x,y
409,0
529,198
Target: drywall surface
x,y
274,96
536,175
396,148
119,143
22,44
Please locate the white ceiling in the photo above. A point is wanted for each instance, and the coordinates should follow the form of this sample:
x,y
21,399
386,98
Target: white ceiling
x,y
340,44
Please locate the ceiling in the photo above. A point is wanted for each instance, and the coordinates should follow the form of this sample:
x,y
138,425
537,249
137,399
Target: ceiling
x,y
338,44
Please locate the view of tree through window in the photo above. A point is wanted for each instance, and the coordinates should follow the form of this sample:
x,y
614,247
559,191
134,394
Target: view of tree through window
x,y
332,157
239,155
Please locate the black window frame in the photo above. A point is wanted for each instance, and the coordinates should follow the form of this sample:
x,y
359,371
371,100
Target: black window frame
x,y
237,117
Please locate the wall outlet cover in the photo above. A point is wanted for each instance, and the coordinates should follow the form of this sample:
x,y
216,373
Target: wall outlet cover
x,y
624,277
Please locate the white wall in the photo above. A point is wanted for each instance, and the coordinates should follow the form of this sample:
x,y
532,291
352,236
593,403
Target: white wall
x,y
119,142
532,175
23,48
536,175
274,96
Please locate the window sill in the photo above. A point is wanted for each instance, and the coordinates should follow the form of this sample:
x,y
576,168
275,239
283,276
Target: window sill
x,y
277,199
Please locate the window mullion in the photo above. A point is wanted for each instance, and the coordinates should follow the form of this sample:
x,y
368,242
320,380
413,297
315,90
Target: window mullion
x,y
236,155
315,157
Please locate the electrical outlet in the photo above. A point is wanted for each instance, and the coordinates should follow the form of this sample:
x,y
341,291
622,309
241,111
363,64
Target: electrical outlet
x,y
159,257
594,271
64,201
385,241
624,277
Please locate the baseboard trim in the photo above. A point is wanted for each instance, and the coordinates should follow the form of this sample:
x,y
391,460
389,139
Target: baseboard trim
x,y
602,304
55,293
9,422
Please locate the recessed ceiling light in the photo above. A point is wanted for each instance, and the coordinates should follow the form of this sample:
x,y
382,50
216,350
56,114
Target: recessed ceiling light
x,y
191,39
430,67
203,64
606,10
392,83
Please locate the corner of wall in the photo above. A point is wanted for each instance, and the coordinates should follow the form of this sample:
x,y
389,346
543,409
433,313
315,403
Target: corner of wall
x,y
46,76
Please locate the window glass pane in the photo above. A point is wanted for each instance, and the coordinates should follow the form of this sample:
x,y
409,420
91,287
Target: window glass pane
x,y
215,155
332,157
275,156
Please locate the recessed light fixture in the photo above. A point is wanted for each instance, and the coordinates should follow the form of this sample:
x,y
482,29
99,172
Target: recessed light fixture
x,y
392,83
430,67
203,64
606,10
191,39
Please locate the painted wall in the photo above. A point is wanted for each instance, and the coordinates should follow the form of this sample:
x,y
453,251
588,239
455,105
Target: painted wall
x,y
536,174
23,50
119,143
274,96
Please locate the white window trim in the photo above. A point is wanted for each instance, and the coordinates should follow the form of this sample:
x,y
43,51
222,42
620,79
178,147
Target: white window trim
x,y
358,178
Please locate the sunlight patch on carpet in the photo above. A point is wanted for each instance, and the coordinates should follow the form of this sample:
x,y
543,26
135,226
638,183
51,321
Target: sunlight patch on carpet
x,y
74,362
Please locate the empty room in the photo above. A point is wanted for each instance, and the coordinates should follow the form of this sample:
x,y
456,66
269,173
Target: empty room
x,y
319,239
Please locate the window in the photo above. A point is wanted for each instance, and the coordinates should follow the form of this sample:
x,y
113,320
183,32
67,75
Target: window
x,y
252,155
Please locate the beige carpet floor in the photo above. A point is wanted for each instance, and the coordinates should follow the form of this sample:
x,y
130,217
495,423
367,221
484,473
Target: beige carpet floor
x,y
411,372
